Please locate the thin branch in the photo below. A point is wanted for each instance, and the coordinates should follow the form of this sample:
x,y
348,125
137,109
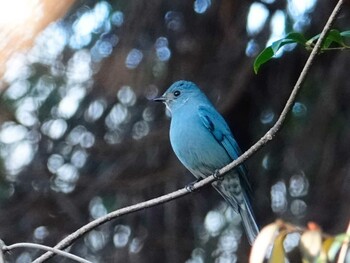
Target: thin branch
x,y
179,193
38,246
335,48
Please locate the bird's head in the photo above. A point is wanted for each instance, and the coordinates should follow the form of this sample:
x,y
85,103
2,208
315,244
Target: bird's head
x,y
178,94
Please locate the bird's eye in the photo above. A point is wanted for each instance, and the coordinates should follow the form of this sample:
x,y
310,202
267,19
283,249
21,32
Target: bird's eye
x,y
177,93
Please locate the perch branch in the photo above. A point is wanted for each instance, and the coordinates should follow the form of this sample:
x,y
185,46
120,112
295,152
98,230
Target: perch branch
x,y
5,248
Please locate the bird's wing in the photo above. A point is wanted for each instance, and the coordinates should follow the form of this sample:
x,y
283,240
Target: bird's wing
x,y
218,127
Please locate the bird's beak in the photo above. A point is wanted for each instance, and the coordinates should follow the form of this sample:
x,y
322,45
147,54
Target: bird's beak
x,y
160,99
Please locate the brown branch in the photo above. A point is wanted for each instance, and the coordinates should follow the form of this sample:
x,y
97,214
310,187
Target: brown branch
x,y
179,193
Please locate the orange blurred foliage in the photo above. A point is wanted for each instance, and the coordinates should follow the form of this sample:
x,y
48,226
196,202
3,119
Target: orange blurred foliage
x,y
20,23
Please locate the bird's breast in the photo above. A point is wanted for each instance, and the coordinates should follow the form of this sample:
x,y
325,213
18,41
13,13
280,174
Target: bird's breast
x,y
195,146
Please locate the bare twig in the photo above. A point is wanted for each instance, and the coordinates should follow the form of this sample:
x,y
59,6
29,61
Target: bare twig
x,y
179,193
5,248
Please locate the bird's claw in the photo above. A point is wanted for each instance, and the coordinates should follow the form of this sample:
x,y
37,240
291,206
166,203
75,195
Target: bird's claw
x,y
218,176
190,186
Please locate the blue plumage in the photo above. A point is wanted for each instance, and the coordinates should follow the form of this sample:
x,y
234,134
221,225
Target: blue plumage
x,y
203,142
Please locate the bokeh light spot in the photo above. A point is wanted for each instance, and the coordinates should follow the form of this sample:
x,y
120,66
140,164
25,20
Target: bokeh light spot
x,y
126,96
66,178
54,162
257,16
291,241
96,240
97,208
162,49
117,18
136,245
116,116
121,235
278,197
40,233
214,222
95,110
140,130
55,129
11,132
200,6
17,89
267,116
133,58
174,20
298,207
298,185
299,109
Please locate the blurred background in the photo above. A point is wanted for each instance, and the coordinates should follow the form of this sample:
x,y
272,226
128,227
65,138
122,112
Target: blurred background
x,y
80,136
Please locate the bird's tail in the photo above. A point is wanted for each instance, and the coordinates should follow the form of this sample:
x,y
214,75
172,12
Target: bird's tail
x,y
248,220
240,202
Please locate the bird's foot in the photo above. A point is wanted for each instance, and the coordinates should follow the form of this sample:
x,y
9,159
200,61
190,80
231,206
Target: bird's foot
x,y
218,176
190,186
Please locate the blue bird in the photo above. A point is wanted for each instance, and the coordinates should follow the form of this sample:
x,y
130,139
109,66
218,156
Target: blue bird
x,y
203,142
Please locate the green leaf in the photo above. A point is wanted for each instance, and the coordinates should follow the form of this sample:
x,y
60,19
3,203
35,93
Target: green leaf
x,y
345,33
334,249
270,51
312,40
326,244
336,245
297,38
333,36
262,58
278,254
